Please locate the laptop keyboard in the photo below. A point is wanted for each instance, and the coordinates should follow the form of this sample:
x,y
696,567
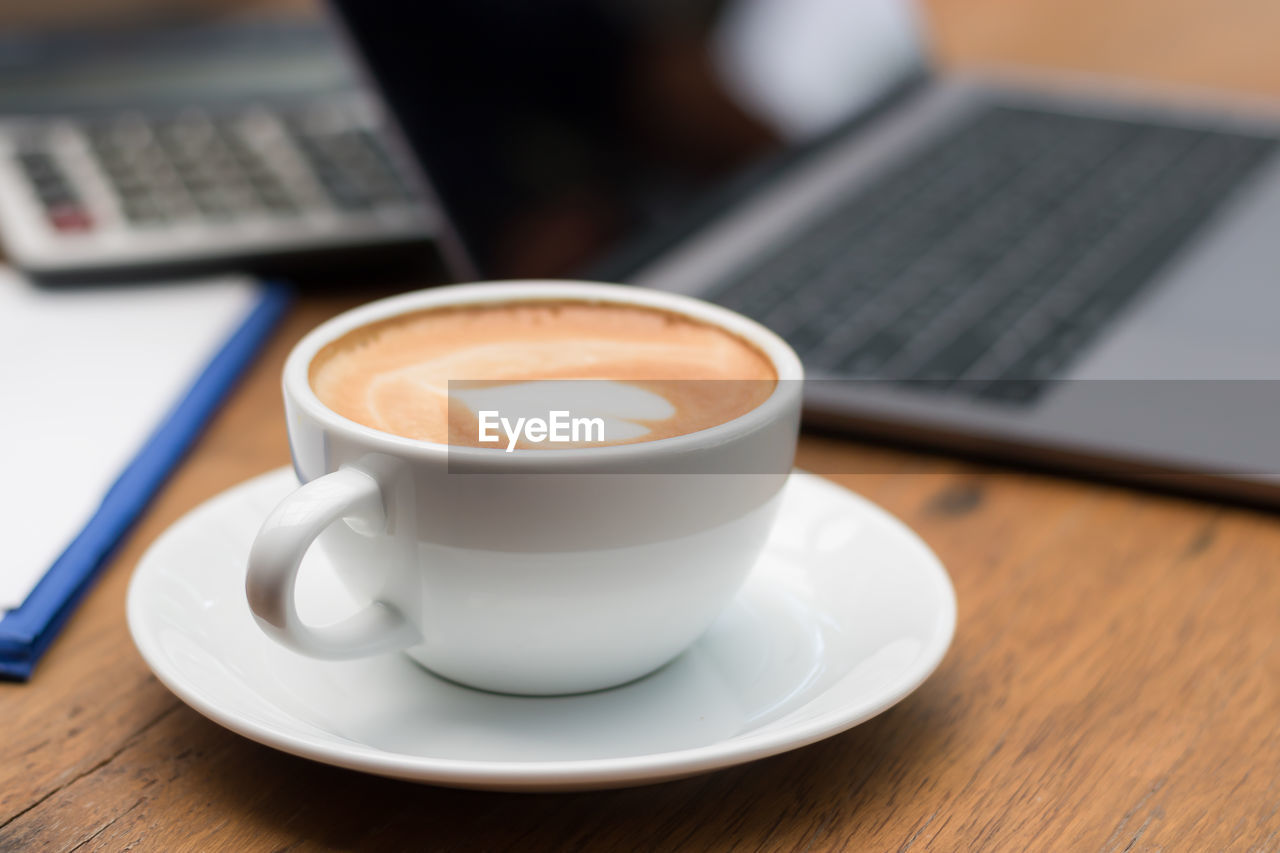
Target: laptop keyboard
x,y
986,262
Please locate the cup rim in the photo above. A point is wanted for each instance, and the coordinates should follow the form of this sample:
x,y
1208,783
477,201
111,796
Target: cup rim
x,y
297,384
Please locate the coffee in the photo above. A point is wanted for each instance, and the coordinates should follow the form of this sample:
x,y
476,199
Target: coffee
x,y
427,375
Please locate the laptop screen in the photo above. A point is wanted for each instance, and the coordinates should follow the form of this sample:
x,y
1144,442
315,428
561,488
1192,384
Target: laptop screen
x,y
567,136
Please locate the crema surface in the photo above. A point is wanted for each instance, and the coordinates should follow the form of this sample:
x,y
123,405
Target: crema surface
x,y
429,374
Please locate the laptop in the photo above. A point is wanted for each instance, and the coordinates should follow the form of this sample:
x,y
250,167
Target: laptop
x,y
1064,272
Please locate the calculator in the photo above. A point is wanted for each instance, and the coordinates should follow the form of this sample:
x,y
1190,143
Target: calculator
x,y
240,145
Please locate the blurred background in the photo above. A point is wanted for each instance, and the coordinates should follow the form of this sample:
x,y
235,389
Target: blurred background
x,y
1099,206
1171,41
80,59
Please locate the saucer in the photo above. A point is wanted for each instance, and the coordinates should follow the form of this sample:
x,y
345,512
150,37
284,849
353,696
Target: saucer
x,y
846,613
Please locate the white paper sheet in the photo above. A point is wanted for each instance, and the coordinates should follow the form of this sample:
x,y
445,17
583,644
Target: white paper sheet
x,y
86,375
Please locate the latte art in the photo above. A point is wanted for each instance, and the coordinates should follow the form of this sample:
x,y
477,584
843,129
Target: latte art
x,y
429,375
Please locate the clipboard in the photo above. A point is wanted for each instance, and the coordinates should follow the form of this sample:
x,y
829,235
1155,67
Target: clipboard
x,y
27,631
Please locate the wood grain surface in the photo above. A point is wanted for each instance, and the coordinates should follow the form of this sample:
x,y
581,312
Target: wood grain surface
x,y
1114,682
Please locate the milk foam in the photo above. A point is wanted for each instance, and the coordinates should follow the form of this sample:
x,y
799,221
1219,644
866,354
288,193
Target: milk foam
x,y
661,370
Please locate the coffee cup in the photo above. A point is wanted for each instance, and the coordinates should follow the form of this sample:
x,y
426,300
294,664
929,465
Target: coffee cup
x,y
514,568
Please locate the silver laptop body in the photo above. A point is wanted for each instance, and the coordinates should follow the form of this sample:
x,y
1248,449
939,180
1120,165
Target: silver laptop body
x,y
1177,389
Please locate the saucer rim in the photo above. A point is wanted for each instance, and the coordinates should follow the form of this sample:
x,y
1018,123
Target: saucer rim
x,y
578,774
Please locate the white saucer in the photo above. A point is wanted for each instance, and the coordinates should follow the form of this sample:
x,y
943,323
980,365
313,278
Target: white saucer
x,y
847,613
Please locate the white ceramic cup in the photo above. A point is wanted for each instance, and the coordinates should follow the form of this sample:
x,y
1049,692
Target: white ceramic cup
x,y
536,571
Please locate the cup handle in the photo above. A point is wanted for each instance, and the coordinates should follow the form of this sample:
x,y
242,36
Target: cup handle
x,y
277,553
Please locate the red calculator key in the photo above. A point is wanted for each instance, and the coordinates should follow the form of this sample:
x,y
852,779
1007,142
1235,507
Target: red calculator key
x,y
70,218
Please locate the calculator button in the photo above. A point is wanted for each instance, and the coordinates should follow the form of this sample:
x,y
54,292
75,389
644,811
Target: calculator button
x,y
143,212
140,204
383,172
55,193
277,201
62,205
217,205
338,163
260,179
69,218
39,165
343,190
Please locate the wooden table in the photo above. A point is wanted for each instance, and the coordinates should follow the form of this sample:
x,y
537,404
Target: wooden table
x,y
1114,682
